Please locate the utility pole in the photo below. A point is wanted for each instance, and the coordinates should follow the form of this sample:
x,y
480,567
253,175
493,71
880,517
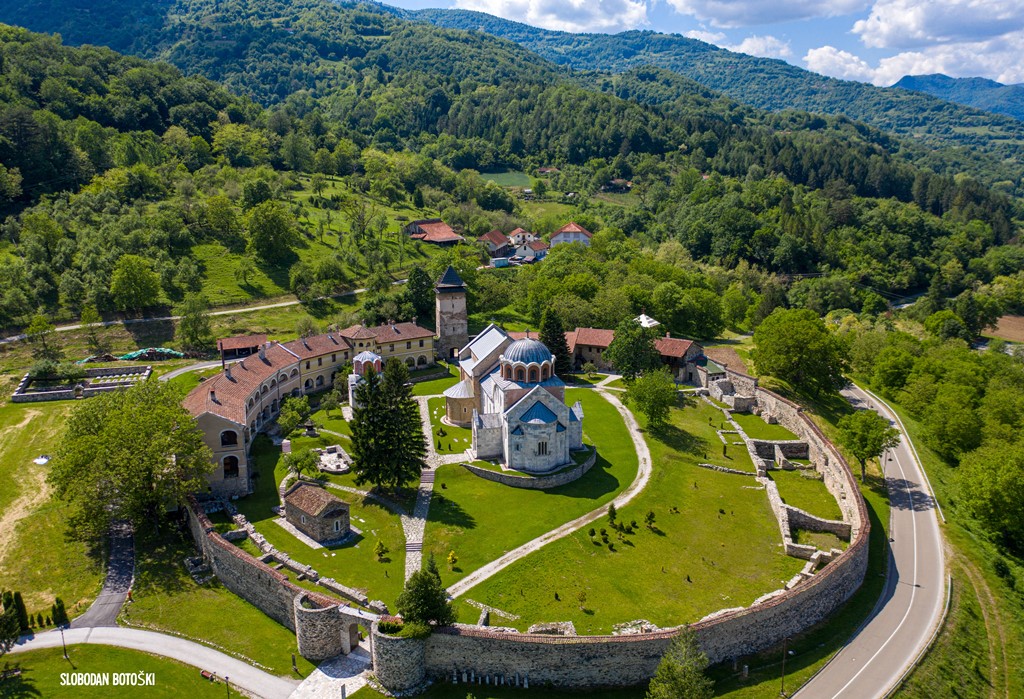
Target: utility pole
x,y
64,645
785,649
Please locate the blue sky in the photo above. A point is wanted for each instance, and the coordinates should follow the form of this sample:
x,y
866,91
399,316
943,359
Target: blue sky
x,y
876,41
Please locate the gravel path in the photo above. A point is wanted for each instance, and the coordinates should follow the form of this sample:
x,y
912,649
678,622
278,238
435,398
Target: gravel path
x,y
639,483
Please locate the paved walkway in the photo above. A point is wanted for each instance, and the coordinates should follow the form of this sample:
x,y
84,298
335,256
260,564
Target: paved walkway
x,y
120,573
241,674
639,483
348,671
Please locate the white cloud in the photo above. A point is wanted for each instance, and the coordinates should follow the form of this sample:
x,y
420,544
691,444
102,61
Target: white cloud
x,y
708,37
566,15
997,58
828,60
746,13
767,46
918,23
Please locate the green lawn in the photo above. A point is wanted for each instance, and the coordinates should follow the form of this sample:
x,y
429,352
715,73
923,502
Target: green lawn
x,y
481,520
166,598
352,564
436,386
803,489
455,439
507,178
448,691
41,674
36,558
703,421
584,380
508,318
724,538
756,428
190,379
823,540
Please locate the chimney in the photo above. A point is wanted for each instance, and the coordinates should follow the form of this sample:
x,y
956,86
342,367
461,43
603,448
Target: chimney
x,y
227,373
213,396
668,334
263,353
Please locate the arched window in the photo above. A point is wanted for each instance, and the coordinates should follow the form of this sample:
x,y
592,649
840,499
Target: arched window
x,y
319,381
251,403
409,362
252,426
295,372
309,384
422,361
545,372
508,372
263,390
533,374
230,466
520,374
273,383
228,438
273,406
282,378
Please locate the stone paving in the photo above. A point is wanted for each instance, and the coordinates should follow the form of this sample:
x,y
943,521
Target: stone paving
x,y
326,682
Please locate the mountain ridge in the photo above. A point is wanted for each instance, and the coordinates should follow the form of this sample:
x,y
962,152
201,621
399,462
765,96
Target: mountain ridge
x,y
980,93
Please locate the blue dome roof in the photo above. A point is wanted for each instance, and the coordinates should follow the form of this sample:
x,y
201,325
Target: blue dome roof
x,y
527,351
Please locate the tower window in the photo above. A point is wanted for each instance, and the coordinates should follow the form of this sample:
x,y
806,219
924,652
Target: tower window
x,y
542,448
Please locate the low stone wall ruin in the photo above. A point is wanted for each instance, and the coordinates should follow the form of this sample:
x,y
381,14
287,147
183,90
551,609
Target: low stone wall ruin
x,y
535,482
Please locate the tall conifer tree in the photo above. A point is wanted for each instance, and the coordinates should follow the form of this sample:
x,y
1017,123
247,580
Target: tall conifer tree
x,y
552,334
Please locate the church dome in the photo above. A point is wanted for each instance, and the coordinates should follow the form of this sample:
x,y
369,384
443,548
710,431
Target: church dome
x,y
527,351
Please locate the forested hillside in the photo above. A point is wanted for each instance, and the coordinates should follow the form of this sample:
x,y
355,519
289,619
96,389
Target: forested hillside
x,y
974,92
768,84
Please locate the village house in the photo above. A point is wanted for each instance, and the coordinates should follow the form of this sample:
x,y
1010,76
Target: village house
x,y
521,236
571,232
434,231
498,244
318,514
684,358
532,251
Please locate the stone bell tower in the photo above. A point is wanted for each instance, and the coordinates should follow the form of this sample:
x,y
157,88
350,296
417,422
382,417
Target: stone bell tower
x,y
451,316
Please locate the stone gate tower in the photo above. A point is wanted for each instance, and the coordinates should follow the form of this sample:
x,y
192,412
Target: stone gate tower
x,y
451,315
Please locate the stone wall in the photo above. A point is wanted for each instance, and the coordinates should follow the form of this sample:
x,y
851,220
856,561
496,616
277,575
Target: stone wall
x,y
324,626
538,482
95,375
466,653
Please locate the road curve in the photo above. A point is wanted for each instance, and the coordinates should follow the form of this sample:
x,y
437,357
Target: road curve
x,y
902,625
241,674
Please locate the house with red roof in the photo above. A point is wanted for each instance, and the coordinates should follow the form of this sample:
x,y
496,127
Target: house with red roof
x,y
498,244
533,251
521,235
434,231
682,357
571,232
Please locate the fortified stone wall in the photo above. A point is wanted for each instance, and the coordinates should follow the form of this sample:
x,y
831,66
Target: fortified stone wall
x,y
538,483
467,652
324,626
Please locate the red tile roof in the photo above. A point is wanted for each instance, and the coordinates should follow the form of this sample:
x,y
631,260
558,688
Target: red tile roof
x,y
434,231
226,344
318,345
496,238
589,337
400,331
573,227
226,397
537,245
673,347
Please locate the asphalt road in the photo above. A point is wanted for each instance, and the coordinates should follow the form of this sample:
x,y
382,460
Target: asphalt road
x,y
120,573
911,606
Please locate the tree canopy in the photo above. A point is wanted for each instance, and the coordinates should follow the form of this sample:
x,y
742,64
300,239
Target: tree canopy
x,y
866,435
654,393
127,455
681,671
552,334
632,351
795,346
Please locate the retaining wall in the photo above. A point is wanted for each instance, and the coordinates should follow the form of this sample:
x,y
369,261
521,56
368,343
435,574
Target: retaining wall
x,y
585,662
535,482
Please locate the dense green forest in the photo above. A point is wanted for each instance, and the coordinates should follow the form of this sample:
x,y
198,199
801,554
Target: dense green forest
x,y
774,85
974,92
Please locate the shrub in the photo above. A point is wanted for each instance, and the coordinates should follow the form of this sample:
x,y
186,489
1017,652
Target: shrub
x,y
390,627
415,629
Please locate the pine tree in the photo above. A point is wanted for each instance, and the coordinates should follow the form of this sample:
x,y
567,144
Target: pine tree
x,y
21,612
388,446
552,334
59,613
10,629
424,600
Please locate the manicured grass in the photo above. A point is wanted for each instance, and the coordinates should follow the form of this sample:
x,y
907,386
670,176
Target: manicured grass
x,y
351,564
165,597
756,428
455,439
191,379
617,383
41,674
481,520
724,538
804,490
36,557
436,386
703,421
584,380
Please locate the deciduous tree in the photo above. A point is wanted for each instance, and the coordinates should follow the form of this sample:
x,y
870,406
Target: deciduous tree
x,y
632,351
127,455
270,230
653,393
867,435
681,671
134,285
193,331
795,346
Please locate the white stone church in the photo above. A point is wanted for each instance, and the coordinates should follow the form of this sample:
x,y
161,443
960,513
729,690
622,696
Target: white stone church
x,y
515,404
